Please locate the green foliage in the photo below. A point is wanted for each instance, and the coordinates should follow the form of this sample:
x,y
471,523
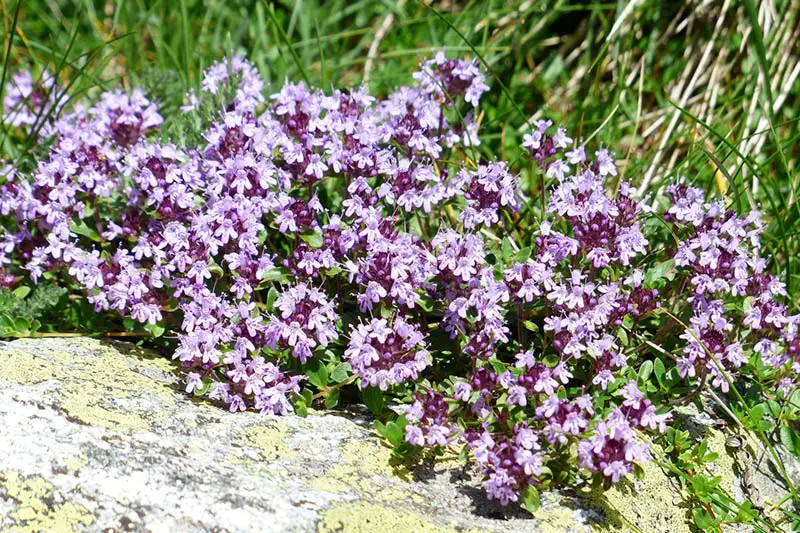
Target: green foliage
x,y
23,310
373,398
530,499
394,432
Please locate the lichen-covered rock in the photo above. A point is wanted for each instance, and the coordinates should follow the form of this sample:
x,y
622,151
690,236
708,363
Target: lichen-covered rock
x,y
97,435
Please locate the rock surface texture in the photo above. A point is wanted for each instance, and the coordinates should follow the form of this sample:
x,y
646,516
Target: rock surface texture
x,y
99,436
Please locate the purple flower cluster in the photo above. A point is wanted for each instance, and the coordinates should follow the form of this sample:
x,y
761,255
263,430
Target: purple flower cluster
x,y
614,443
568,281
28,101
188,237
302,211
307,320
512,461
721,254
383,354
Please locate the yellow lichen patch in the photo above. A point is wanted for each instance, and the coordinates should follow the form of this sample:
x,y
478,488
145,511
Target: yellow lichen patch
x,y
367,468
271,441
329,483
62,464
20,367
368,518
725,464
82,405
555,520
90,379
76,463
651,507
373,459
233,459
34,510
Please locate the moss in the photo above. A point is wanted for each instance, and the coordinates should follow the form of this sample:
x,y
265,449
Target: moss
x,y
35,508
368,518
271,440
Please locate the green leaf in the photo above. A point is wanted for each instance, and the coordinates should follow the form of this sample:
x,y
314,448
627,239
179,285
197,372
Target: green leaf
x,y
530,499
756,419
215,268
81,228
659,370
703,486
523,255
274,274
530,326
623,336
498,366
301,403
22,326
21,292
300,408
790,439
426,303
373,398
392,432
341,372
702,519
710,457
272,295
746,513
308,395
155,330
317,374
508,250
659,271
332,400
314,240
774,408
645,370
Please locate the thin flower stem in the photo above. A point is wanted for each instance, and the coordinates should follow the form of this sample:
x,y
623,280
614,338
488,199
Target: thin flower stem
x,y
327,390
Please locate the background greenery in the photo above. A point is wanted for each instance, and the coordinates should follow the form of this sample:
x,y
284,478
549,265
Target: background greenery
x,y
676,88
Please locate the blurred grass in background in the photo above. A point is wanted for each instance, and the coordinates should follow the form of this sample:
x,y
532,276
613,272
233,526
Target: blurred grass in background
x,y
706,90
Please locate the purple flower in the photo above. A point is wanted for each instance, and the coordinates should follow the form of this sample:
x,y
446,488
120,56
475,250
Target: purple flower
x,y
306,320
27,101
385,354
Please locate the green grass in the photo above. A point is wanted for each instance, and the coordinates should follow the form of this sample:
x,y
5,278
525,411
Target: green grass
x,y
674,88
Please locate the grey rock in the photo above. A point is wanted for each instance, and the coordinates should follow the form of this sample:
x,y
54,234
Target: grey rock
x,y
100,436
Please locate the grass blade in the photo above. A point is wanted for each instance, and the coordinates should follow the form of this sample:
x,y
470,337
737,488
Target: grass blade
x,y
287,43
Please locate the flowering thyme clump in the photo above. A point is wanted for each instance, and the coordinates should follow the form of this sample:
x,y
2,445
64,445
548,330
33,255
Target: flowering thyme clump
x,y
306,321
384,355
313,241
